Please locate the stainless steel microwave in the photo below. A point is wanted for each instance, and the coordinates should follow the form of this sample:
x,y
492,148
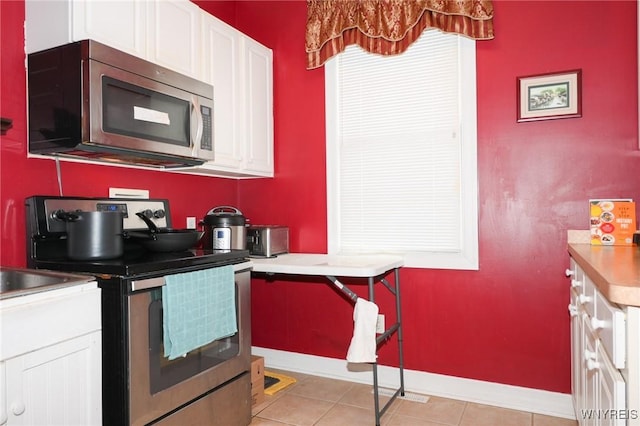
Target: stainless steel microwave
x,y
88,100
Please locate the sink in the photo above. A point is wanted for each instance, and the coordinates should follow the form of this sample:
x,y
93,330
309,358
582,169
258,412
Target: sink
x,y
19,282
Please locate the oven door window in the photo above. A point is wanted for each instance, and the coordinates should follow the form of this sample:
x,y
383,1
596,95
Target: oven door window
x,y
138,112
165,373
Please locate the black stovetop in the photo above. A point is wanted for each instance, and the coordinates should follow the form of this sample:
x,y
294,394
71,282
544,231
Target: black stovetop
x,y
47,244
137,262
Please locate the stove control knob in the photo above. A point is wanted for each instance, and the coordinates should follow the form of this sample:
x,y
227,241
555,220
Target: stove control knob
x,y
58,214
147,213
159,214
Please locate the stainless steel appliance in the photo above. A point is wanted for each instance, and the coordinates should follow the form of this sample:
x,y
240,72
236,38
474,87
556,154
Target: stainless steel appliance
x,y
92,101
224,227
267,240
210,385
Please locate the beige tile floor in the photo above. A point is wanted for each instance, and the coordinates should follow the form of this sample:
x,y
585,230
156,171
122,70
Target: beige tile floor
x,y
314,400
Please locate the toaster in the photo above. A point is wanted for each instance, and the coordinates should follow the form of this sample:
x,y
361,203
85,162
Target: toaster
x,y
267,240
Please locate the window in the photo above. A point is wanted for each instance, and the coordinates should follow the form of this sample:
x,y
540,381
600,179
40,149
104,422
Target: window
x,y
401,153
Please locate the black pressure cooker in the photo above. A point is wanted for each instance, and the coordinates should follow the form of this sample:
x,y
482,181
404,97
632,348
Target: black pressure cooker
x,y
225,228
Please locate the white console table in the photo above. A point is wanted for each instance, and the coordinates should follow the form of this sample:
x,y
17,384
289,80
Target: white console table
x,y
375,268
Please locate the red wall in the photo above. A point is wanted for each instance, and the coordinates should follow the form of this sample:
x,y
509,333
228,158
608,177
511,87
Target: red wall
x,y
21,177
505,323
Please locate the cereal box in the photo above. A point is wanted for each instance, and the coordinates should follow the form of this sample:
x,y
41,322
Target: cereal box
x,y
612,222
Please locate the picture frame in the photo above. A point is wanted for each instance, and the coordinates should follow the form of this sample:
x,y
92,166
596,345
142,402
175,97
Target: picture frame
x,y
549,96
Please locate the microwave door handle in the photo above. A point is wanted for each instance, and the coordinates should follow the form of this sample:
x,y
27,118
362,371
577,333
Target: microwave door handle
x,y
197,115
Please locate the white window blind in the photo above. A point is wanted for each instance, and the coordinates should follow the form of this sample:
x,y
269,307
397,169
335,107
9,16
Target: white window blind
x,y
401,152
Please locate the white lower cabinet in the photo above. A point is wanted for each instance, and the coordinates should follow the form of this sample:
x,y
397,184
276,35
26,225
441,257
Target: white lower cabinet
x,y
612,389
51,358
604,375
56,385
590,375
577,336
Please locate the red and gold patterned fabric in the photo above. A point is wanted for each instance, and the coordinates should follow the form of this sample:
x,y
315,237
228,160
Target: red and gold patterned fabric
x,y
388,27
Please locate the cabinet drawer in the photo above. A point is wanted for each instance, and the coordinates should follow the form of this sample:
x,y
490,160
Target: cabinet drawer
x,y
50,317
609,322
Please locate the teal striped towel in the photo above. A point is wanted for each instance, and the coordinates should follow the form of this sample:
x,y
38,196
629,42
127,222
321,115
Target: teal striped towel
x,y
198,308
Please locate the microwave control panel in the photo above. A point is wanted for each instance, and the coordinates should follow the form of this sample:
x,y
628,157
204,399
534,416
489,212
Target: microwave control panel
x,y
207,128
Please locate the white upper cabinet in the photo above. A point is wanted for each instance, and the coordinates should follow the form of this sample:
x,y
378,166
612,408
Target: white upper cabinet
x,y
122,24
221,43
164,32
258,98
173,31
241,72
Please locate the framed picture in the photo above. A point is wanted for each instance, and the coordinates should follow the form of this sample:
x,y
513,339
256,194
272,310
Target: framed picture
x,y
549,96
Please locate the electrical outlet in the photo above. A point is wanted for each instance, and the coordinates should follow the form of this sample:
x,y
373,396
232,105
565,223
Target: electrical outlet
x,y
191,222
380,328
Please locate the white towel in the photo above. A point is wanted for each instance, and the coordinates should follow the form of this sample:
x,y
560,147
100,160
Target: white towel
x,y
363,343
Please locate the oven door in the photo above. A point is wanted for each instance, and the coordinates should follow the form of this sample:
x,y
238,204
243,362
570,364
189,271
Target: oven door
x,y
159,386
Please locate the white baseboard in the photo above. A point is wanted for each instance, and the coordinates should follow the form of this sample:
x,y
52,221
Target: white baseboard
x,y
495,394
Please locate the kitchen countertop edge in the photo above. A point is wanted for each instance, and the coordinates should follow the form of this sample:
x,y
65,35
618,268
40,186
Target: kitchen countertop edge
x,y
328,265
615,270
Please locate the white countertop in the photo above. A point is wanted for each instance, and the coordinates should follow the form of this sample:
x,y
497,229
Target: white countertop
x,y
328,264
45,293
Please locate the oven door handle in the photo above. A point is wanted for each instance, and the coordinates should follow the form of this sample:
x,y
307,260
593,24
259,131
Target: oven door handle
x,y
147,284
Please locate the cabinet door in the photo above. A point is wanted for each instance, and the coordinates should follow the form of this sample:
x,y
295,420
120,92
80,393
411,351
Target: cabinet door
x,y
222,70
54,23
610,323
577,387
119,24
174,35
258,65
590,411
47,24
612,391
57,385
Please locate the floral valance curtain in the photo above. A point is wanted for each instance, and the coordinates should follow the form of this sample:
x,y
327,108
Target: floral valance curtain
x,y
388,27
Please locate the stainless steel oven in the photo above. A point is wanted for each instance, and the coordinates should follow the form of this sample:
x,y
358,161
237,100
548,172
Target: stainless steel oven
x,y
210,385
